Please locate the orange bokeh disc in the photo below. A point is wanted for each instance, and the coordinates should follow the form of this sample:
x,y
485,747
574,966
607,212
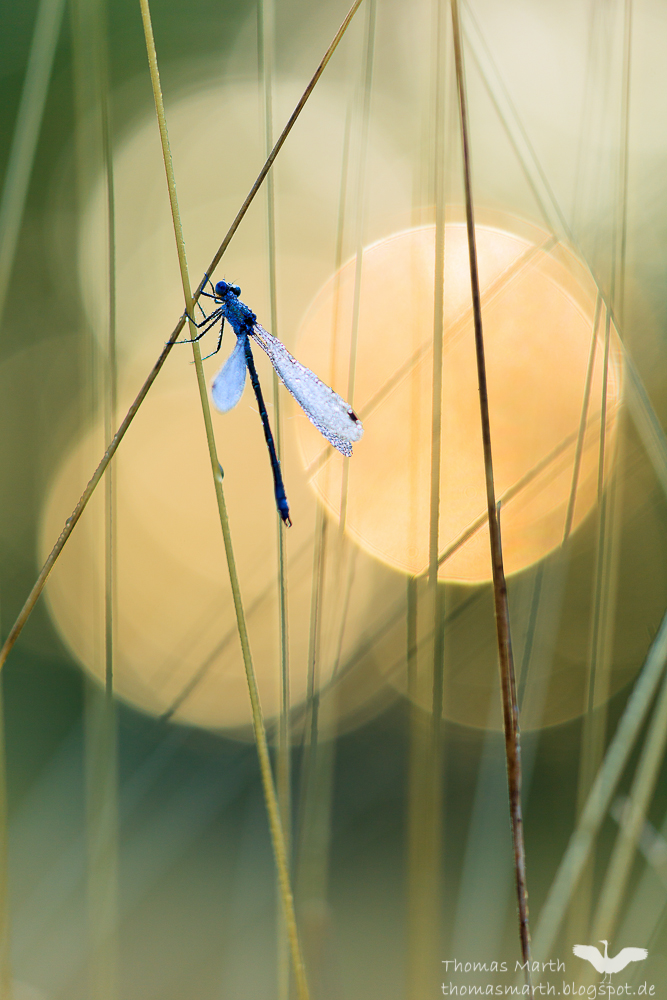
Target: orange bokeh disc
x,y
538,305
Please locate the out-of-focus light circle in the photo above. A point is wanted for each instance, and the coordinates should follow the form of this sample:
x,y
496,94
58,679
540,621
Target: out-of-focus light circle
x,y
538,304
176,650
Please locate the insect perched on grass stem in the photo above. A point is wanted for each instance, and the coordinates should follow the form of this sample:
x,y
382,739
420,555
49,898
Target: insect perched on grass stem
x,y
334,418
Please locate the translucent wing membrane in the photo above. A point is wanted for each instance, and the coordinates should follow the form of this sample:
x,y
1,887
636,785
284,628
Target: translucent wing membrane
x,y
332,416
228,384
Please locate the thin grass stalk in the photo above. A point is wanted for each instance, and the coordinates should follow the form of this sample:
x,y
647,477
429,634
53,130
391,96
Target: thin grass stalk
x,y
587,122
423,828
93,482
645,912
438,304
603,410
6,979
360,215
314,855
424,617
318,759
111,399
258,722
436,592
26,135
350,556
604,786
111,388
412,641
425,845
618,871
322,756
361,178
594,730
340,231
338,260
320,531
595,722
101,841
615,881
508,685
614,884
607,570
423,183
582,422
311,755
625,155
603,616
317,773
266,45
310,731
318,782
109,805
341,553
530,632
93,155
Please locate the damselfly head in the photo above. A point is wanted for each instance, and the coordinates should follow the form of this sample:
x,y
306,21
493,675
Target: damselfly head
x,y
223,287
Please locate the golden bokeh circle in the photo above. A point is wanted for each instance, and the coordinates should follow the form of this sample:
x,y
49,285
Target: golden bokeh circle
x,y
176,650
538,304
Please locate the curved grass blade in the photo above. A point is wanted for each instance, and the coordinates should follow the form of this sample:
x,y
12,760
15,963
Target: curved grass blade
x,y
508,684
270,796
266,46
615,760
72,520
26,135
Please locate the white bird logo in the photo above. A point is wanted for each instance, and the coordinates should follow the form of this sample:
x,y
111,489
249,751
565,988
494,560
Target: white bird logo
x,y
605,964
